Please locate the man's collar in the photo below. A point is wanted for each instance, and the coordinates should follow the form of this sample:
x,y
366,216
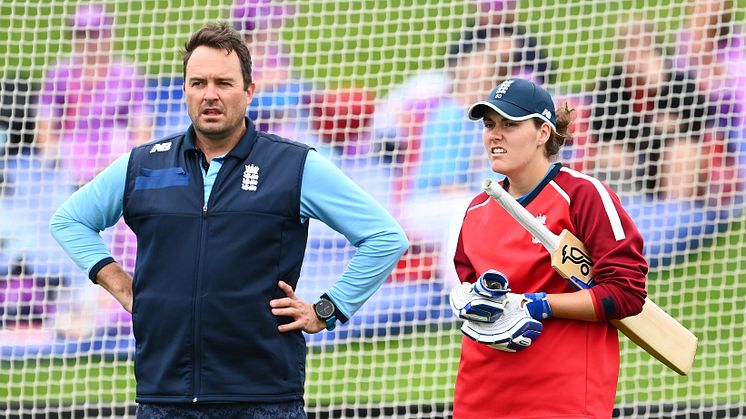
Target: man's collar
x,y
243,148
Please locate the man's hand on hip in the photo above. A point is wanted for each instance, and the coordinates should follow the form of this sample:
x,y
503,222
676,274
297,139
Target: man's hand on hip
x,y
304,317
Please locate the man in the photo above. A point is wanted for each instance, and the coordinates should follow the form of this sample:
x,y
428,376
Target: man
x,y
221,217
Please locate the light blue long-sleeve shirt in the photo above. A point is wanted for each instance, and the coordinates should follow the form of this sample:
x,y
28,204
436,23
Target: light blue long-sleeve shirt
x,y
326,194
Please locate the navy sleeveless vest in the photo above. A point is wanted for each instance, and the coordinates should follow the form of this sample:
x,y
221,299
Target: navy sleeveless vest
x,y
206,272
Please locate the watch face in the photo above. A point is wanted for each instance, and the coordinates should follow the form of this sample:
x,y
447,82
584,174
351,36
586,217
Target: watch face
x,y
324,309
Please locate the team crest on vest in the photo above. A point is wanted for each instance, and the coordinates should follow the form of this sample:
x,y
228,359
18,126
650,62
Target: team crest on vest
x,y
160,147
250,177
543,220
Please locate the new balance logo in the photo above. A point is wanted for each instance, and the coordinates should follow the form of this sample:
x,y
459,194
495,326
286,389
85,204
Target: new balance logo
x,y
160,147
250,178
547,114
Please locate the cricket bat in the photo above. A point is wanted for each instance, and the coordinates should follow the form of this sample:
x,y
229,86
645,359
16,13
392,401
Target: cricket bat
x,y
653,329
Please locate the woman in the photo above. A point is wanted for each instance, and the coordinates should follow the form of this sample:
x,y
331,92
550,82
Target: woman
x,y
568,367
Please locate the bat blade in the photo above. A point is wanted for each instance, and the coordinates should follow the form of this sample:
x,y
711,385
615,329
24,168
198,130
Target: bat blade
x,y
661,336
652,329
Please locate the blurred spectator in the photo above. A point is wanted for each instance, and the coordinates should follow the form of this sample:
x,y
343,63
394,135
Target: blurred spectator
x,y
422,123
32,266
402,109
712,44
341,119
436,152
450,149
574,153
17,116
527,59
495,12
279,103
261,22
451,153
646,114
92,107
445,153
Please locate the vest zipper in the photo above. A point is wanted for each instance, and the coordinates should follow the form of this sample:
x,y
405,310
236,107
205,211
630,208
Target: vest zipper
x,y
197,347
197,354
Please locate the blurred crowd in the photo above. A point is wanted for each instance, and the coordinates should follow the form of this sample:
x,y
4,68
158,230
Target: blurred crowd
x,y
665,128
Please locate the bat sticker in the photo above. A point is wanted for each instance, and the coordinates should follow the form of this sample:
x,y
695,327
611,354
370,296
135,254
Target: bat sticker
x,y
577,257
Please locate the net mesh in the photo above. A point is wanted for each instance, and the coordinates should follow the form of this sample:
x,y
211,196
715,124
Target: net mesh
x,y
381,89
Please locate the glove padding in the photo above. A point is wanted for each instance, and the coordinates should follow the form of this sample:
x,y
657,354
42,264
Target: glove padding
x,y
482,301
514,330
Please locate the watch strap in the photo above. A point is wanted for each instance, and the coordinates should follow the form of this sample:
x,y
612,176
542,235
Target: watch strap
x,y
331,323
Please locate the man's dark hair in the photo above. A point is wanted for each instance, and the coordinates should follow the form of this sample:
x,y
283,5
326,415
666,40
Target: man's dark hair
x,y
221,36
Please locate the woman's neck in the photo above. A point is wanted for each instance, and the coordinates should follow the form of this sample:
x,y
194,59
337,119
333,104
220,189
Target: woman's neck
x,y
527,180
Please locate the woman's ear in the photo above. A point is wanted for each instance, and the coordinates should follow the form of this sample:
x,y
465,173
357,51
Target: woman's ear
x,y
545,133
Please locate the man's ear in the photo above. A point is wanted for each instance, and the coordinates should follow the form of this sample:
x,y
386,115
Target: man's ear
x,y
250,91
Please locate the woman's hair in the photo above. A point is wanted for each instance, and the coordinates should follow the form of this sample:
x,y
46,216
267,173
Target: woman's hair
x,y
557,139
221,36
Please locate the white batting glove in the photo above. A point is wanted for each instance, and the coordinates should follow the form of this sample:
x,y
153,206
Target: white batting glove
x,y
518,326
482,301
512,332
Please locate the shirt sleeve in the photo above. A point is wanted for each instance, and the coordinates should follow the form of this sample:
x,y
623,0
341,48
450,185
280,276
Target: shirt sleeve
x,y
330,196
464,268
77,224
615,244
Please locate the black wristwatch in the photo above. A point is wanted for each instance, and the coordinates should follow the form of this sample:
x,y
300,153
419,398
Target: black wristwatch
x,y
325,310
